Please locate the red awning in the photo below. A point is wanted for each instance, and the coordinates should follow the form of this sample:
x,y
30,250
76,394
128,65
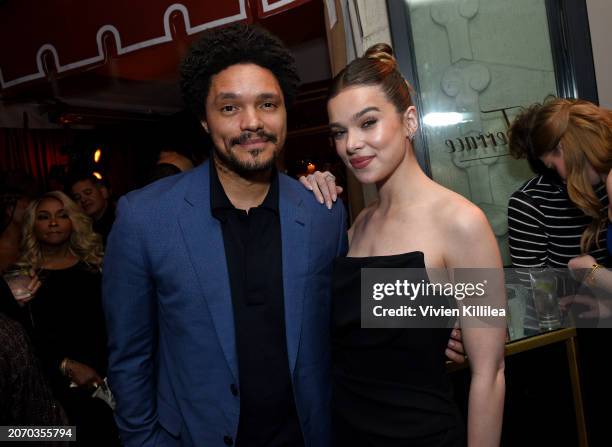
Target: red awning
x,y
70,36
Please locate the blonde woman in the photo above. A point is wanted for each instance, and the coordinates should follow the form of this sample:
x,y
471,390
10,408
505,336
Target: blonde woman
x,y
66,314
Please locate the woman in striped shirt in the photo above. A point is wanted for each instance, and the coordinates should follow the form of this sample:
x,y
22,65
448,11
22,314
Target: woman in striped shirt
x,y
562,213
558,218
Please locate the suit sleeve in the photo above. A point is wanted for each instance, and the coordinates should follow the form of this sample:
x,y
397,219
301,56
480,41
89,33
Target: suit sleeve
x,y
342,248
131,317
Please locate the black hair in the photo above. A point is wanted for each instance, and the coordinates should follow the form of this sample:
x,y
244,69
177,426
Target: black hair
x,y
235,44
78,176
161,170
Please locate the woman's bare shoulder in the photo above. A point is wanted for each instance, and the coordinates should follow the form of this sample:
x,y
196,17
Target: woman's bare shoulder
x,y
459,215
362,218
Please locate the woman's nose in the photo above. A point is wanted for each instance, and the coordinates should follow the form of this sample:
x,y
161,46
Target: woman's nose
x,y
353,142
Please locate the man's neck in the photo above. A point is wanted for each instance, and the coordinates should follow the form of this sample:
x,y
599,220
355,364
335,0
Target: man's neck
x,y
244,192
96,217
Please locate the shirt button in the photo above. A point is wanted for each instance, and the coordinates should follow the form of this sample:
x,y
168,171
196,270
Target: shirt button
x,y
234,389
228,440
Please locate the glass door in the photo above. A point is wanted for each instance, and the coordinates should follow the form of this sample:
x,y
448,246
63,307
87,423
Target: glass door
x,y
474,64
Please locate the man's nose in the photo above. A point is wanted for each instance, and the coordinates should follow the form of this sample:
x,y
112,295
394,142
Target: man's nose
x,y
251,120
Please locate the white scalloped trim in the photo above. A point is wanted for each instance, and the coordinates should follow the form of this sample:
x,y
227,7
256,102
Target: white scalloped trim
x,y
167,37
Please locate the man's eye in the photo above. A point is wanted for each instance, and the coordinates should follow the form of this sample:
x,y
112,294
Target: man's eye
x,y
269,105
228,108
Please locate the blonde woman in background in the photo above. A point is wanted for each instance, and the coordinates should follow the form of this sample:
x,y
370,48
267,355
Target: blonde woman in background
x,y
68,327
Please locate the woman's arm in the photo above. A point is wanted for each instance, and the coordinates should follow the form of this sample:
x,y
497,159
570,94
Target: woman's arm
x,y
471,244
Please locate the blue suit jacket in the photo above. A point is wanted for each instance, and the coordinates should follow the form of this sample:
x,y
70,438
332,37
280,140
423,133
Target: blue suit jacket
x,y
169,312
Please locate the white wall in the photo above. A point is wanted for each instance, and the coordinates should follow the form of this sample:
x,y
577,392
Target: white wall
x,y
600,18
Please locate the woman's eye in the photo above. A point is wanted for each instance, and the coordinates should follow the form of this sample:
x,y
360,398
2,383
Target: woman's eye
x,y
63,216
368,123
337,134
42,217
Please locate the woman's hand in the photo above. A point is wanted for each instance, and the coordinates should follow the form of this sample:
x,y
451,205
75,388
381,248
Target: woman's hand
x,y
580,266
81,374
33,287
22,291
595,307
581,262
455,351
323,185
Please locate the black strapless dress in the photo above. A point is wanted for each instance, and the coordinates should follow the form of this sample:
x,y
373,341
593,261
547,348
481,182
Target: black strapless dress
x,y
390,386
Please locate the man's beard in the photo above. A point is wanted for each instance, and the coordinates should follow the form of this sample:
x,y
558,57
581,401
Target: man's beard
x,y
244,168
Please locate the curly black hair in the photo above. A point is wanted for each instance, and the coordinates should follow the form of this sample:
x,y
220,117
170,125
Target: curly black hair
x,y
231,45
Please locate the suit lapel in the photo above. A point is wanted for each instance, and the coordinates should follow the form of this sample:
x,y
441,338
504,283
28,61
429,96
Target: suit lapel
x,y
295,232
204,240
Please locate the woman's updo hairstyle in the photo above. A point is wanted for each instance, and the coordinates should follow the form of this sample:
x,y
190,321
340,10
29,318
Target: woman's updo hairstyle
x,y
376,67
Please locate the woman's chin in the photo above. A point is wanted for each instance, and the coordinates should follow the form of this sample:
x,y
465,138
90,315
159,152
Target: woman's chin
x,y
367,177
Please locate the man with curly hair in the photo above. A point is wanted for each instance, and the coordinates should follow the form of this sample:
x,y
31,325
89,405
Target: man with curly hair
x,y
217,280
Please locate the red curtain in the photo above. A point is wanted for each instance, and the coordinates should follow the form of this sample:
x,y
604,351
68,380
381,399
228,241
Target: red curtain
x,y
34,151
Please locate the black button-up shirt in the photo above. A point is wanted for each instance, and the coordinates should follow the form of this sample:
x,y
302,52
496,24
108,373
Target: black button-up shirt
x,y
253,251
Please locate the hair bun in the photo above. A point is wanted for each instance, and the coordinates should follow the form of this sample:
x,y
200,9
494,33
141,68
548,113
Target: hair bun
x,y
382,52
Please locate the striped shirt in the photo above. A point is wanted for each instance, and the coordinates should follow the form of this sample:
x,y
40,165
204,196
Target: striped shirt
x,y
544,229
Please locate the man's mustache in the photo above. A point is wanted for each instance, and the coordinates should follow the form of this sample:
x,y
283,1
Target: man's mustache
x,y
246,136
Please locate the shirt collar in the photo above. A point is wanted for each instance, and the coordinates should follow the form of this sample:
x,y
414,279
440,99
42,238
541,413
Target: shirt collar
x,y
219,200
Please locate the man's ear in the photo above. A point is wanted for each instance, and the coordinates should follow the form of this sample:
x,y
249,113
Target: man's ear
x,y
104,191
411,122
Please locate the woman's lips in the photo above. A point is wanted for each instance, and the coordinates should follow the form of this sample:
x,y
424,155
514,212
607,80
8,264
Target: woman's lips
x,y
361,162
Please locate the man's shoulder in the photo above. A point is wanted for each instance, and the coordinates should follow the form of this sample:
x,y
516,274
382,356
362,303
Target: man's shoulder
x,y
293,190
164,193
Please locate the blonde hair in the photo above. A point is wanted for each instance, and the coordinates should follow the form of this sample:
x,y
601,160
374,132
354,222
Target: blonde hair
x,y
84,244
584,132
